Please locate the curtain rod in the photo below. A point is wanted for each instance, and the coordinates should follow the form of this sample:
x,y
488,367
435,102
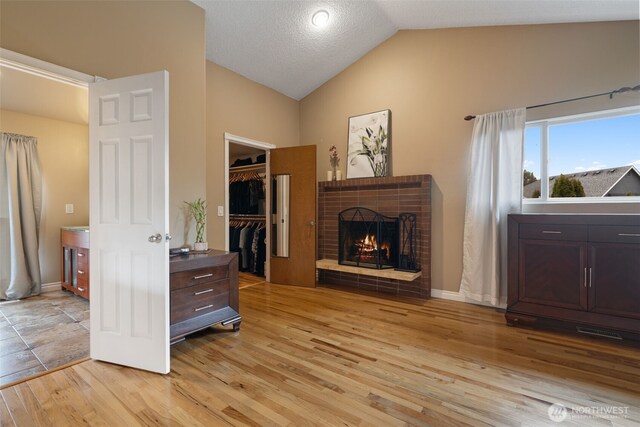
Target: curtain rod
x,y
621,90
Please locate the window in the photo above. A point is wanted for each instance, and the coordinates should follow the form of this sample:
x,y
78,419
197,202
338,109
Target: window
x,y
594,156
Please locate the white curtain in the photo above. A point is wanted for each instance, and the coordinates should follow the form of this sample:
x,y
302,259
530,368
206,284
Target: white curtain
x,y
20,207
494,190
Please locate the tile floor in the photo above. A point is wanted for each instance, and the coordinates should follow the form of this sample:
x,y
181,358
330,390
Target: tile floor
x,y
42,333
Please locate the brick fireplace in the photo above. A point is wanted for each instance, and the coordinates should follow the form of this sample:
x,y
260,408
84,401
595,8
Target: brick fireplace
x,y
388,196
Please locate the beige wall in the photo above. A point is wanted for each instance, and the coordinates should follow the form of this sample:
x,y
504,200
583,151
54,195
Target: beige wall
x,y
116,39
431,79
243,108
63,149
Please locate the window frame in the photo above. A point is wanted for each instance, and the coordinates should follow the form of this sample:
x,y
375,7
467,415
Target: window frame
x,y
544,124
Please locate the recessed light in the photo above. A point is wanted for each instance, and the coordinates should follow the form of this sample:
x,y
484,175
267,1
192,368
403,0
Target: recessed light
x,y
320,19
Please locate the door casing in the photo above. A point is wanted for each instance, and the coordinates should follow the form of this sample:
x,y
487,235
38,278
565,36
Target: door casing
x,y
234,139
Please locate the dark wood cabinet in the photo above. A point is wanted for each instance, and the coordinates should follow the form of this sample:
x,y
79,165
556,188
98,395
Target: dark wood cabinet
x,y
551,273
615,279
204,292
74,260
575,271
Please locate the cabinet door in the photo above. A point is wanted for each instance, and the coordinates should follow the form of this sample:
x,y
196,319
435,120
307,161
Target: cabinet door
x,y
615,279
553,273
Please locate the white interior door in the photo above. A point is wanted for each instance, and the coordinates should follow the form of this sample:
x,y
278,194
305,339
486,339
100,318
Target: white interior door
x,y
129,252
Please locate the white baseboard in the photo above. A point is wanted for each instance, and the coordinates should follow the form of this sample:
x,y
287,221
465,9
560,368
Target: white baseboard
x,y
50,287
457,296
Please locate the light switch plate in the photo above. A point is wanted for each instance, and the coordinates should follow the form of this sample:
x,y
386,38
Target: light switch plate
x,y
68,208
220,210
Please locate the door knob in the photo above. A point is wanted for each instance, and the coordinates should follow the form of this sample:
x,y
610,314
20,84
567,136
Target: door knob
x,y
156,238
312,223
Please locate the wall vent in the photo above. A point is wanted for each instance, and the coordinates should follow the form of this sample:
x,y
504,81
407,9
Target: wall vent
x,y
599,333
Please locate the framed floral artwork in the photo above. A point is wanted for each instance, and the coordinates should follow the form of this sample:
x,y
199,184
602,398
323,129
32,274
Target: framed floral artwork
x,y
368,149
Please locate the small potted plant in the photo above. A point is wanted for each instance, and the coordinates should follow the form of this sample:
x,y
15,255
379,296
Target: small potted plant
x,y
198,210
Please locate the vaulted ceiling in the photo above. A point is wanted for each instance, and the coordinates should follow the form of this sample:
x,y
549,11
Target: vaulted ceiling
x,y
273,42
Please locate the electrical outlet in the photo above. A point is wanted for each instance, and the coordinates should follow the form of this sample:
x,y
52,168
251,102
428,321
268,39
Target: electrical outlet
x,y
220,210
68,208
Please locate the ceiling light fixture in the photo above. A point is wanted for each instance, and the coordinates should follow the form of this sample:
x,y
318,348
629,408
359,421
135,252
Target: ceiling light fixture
x,y
320,19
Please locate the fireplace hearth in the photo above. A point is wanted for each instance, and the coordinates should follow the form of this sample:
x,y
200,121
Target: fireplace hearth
x,y
389,196
367,239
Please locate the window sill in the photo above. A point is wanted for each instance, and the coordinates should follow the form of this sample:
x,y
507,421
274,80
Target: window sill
x,y
582,201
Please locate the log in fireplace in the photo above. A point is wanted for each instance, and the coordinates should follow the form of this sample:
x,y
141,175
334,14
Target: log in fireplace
x,y
367,239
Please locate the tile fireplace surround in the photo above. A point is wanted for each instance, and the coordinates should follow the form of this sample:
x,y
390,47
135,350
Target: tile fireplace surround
x,y
389,196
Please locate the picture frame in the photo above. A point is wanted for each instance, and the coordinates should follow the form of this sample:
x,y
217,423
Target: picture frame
x,y
369,145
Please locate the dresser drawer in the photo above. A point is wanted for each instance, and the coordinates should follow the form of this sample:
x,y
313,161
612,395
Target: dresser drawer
x,y
184,279
83,272
194,301
614,233
553,232
82,260
83,256
83,287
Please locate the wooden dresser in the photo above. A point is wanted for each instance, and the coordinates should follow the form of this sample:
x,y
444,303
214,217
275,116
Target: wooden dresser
x,y
74,260
204,292
577,272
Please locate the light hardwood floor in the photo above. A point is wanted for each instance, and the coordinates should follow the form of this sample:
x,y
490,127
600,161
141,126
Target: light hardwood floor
x,y
326,357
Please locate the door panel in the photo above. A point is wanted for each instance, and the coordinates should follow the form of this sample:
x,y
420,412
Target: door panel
x,y
553,273
299,268
615,279
128,158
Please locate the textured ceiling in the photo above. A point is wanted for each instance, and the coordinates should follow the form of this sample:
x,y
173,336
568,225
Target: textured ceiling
x,y
273,42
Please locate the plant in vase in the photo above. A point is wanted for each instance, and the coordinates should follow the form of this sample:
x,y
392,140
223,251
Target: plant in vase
x,y
334,161
198,210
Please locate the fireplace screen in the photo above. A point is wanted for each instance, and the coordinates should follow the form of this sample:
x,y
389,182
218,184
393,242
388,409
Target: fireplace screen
x,y
367,239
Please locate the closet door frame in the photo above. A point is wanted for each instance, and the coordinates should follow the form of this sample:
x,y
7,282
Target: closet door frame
x,y
234,139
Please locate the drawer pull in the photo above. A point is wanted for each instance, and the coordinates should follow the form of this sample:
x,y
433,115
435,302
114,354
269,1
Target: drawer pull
x,y
629,234
81,289
203,276
80,271
80,254
551,232
203,308
203,292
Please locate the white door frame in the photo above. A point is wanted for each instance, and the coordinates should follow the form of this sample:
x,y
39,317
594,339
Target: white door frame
x,y
40,68
47,70
230,138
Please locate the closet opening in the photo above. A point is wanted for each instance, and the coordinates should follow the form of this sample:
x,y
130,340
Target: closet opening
x,y
247,206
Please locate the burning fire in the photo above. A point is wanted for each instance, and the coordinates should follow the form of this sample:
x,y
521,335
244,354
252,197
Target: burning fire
x,y
369,246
